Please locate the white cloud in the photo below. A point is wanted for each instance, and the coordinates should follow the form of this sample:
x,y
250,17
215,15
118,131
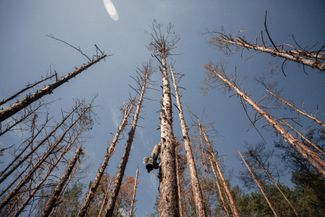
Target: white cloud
x,y
111,10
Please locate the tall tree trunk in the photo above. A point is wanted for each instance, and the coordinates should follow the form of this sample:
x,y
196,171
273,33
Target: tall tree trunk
x,y
272,179
219,189
43,158
307,153
12,166
259,185
179,184
48,89
127,109
136,182
295,108
143,81
215,165
168,198
303,57
55,196
196,188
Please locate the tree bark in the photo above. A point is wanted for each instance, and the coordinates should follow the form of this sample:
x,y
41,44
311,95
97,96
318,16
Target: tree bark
x,y
295,108
55,196
143,82
48,89
168,198
179,185
307,153
136,182
196,188
303,57
259,185
109,152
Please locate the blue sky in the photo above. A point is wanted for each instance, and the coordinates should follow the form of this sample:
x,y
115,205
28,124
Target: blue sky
x,y
26,54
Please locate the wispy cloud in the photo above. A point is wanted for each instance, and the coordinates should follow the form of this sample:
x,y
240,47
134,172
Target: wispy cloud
x,y
111,10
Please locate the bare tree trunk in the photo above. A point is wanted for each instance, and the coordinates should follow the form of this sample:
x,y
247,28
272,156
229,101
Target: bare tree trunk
x,y
304,138
197,193
143,81
12,166
50,150
105,200
48,89
220,191
215,165
29,86
127,109
307,153
51,168
275,183
259,185
303,57
179,184
62,182
136,181
295,108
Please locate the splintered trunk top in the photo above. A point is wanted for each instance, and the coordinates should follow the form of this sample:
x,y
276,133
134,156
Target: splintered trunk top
x,y
168,198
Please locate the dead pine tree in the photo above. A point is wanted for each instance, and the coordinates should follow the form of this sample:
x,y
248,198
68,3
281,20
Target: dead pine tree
x,y
51,202
217,170
20,158
45,178
313,59
259,185
294,107
136,182
48,89
220,191
126,111
310,155
143,81
196,188
53,148
255,155
161,46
